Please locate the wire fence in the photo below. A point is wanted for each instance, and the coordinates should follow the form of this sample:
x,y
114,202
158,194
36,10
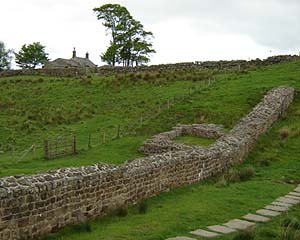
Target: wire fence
x,y
103,136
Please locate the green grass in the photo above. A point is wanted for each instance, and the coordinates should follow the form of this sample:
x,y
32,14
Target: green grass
x,y
195,140
231,96
36,108
188,208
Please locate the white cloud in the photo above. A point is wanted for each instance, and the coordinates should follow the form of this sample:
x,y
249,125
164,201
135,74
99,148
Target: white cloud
x,y
184,30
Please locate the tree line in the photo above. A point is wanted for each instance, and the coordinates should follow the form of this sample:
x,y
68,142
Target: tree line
x,y
130,45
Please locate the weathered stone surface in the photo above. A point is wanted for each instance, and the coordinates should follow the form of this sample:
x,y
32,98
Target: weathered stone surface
x,y
276,208
268,213
239,224
204,233
292,197
163,142
295,194
71,195
282,204
221,229
181,238
256,218
287,200
297,190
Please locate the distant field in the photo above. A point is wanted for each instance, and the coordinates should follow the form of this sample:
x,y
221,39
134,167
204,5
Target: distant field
x,y
229,97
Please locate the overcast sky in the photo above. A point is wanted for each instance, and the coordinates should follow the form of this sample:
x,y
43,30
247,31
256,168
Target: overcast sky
x,y
184,30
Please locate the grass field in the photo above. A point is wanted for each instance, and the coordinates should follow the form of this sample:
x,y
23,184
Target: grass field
x,y
36,108
275,159
195,140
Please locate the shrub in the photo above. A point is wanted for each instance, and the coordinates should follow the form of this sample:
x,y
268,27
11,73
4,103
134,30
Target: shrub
x,y
143,206
240,175
122,211
84,227
147,76
248,234
284,132
246,173
264,162
222,182
291,223
290,229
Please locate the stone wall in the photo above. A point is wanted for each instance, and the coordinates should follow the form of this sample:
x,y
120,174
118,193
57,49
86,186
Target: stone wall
x,y
221,65
163,142
104,70
32,206
67,72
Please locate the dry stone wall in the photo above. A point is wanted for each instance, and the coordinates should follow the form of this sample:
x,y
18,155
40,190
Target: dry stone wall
x,y
163,142
32,206
58,72
234,64
104,70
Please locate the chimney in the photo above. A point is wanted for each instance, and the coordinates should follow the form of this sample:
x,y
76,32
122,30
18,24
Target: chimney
x,y
87,55
74,53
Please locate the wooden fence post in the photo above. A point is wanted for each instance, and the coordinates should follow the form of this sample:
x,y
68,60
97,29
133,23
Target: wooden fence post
x,y
141,120
118,131
103,138
74,145
90,141
46,149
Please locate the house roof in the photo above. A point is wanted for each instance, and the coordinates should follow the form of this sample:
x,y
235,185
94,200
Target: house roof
x,y
73,62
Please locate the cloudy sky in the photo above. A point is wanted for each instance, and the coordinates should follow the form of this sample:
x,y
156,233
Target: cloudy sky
x,y
184,30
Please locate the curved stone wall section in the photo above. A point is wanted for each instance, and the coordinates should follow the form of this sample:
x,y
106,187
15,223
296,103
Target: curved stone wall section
x,y
163,142
32,206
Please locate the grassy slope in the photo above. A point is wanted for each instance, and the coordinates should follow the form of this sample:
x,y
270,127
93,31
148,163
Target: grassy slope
x,y
228,99
34,108
203,204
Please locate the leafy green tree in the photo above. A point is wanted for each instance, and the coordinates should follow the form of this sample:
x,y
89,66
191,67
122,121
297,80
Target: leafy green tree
x,y
130,44
5,57
111,56
31,55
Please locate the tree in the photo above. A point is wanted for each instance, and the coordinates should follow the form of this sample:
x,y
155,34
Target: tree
x,y
130,44
5,57
31,55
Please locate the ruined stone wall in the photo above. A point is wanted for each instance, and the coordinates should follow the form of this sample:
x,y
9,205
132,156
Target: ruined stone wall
x,y
58,72
221,65
31,206
106,70
163,142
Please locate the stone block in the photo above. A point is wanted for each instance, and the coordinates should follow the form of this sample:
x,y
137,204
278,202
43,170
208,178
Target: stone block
x,y
276,208
282,204
287,200
239,224
256,218
221,229
295,194
268,213
204,233
181,238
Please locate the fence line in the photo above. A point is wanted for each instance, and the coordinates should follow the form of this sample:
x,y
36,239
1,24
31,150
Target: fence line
x,y
106,135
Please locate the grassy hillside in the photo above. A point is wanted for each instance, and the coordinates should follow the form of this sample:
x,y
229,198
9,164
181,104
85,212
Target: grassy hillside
x,y
229,97
38,108
275,159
